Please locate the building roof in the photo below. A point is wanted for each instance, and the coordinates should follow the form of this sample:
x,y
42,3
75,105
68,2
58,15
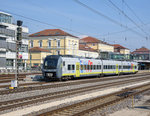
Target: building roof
x,y
4,13
92,40
141,50
89,40
51,32
86,48
116,46
38,49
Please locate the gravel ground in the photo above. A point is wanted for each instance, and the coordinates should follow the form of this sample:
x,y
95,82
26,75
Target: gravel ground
x,y
39,92
141,108
66,98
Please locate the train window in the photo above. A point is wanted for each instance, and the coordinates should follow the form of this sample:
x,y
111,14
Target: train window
x,y
73,67
97,66
129,67
106,66
84,67
63,63
119,67
69,67
88,67
114,67
94,67
109,66
81,67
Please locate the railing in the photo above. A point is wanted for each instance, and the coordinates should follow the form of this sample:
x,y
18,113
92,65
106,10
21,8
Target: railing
x,y
11,33
7,32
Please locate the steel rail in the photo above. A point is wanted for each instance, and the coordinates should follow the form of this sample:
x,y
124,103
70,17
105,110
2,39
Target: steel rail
x,y
2,92
50,96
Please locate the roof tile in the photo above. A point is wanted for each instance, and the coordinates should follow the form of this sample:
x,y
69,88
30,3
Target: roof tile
x,y
118,46
86,48
92,40
51,32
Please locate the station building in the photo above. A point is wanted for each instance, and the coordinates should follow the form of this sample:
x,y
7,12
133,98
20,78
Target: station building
x,y
36,56
86,51
8,32
142,56
103,49
120,53
54,41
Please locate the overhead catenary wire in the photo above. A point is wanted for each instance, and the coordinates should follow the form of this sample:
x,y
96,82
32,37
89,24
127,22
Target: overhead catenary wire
x,y
117,32
122,12
133,12
41,21
108,18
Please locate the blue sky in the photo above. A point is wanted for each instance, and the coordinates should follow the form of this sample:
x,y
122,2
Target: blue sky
x,y
71,16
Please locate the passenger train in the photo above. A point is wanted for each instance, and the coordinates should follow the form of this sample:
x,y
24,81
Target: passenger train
x,y
64,67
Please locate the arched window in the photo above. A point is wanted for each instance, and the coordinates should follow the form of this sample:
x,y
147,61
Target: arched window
x,y
40,43
31,44
58,43
49,43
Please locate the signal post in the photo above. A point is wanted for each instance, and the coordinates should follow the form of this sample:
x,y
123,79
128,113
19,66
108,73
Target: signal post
x,y
15,83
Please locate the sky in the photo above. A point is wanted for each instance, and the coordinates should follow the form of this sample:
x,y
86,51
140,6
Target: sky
x,y
124,22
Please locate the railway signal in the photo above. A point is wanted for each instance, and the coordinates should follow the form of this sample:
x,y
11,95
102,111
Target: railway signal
x,y
14,83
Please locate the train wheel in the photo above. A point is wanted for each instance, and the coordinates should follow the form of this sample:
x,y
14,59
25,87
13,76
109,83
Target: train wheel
x,y
60,79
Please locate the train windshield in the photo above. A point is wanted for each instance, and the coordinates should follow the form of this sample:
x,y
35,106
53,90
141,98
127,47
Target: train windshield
x,y
50,64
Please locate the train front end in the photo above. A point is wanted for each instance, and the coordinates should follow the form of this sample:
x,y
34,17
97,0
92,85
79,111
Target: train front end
x,y
52,67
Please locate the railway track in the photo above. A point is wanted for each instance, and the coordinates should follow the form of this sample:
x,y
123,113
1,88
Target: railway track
x,y
4,78
21,74
100,104
41,83
5,105
23,89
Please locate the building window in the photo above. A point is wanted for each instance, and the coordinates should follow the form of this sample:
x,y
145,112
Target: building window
x,y
69,42
58,52
58,43
9,62
93,44
31,44
24,48
49,43
40,43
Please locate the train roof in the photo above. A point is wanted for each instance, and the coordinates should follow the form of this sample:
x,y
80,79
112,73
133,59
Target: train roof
x,y
74,56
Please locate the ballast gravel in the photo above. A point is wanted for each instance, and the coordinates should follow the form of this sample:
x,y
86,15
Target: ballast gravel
x,y
68,101
51,90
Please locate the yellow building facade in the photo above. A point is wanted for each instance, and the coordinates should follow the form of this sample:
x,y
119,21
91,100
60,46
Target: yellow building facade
x,y
36,56
55,41
97,44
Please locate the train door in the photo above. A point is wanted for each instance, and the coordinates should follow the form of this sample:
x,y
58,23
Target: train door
x,y
77,69
117,71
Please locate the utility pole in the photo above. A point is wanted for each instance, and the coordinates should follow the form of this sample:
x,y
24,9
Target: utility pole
x,y
18,45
